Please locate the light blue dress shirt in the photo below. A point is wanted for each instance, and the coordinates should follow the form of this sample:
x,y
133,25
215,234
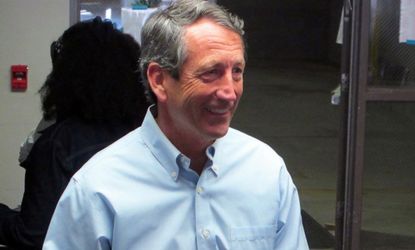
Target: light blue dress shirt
x,y
140,193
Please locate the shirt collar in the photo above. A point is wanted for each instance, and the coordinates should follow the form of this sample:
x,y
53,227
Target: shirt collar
x,y
210,153
170,158
163,150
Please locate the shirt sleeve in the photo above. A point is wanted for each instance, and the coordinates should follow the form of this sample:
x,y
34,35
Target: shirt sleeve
x,y
290,232
82,220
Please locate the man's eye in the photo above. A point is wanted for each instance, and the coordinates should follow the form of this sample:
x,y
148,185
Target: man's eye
x,y
210,75
212,72
237,73
238,70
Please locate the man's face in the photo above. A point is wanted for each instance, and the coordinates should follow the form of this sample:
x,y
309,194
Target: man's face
x,y
201,104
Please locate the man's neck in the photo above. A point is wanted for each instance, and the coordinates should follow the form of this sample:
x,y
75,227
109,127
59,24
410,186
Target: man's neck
x,y
196,151
192,146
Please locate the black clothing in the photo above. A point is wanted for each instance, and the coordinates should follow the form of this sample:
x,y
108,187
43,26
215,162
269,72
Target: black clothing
x,y
59,152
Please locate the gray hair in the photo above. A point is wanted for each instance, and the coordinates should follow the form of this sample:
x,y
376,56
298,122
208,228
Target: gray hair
x,y
162,35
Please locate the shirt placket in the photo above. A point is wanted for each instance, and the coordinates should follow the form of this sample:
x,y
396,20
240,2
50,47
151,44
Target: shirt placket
x,y
205,235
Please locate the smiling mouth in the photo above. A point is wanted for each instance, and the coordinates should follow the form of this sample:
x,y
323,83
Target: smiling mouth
x,y
218,111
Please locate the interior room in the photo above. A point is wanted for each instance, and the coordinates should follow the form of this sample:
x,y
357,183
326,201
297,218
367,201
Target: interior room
x,y
294,67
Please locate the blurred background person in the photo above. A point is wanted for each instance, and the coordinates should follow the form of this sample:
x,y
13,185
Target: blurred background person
x,y
92,97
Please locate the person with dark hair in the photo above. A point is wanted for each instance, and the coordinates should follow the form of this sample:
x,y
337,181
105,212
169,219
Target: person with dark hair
x,y
184,179
92,97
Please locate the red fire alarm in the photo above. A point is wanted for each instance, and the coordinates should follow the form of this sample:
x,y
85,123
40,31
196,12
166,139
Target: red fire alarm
x,y
19,77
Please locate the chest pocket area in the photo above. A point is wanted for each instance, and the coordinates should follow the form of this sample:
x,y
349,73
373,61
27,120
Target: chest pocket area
x,y
255,238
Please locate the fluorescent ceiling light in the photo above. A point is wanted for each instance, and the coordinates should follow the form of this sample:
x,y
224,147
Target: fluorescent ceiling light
x,y
85,13
108,13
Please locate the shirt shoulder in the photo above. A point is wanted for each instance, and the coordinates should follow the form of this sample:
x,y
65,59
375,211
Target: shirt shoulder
x,y
240,152
123,156
238,139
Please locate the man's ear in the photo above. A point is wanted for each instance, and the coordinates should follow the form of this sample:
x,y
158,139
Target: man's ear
x,y
156,80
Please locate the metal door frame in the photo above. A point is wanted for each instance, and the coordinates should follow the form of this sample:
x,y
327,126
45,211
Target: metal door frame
x,y
355,95
74,9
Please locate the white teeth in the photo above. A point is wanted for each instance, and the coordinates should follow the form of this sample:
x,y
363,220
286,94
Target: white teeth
x,y
218,111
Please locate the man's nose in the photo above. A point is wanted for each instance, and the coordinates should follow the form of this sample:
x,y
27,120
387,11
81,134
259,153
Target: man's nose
x,y
226,88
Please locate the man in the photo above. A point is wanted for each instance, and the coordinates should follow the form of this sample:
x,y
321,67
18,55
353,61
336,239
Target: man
x,y
184,179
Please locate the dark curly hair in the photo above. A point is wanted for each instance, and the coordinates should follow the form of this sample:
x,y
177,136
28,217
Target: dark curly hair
x,y
95,76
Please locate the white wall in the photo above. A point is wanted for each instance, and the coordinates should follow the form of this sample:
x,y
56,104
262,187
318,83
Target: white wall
x,y
27,27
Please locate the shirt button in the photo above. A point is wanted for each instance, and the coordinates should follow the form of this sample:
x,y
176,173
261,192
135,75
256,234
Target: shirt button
x,y
205,233
199,190
173,174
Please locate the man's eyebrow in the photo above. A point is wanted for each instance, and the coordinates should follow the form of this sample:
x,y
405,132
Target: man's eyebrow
x,y
209,65
214,63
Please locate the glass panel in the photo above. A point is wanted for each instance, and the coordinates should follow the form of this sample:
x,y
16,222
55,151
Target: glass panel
x,y
111,9
392,62
108,9
388,216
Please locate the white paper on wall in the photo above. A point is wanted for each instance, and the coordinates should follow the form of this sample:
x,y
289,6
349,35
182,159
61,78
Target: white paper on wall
x,y
407,22
339,38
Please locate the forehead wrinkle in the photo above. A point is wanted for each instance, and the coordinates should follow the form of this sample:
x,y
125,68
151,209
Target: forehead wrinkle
x,y
202,30
214,41
212,44
233,52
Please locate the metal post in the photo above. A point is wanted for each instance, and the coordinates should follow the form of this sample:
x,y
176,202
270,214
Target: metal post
x,y
74,10
344,103
359,62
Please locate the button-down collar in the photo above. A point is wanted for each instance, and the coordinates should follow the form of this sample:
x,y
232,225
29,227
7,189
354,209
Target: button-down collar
x,y
167,154
210,153
164,151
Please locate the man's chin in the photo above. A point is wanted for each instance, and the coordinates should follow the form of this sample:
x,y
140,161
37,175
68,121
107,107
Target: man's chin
x,y
218,133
